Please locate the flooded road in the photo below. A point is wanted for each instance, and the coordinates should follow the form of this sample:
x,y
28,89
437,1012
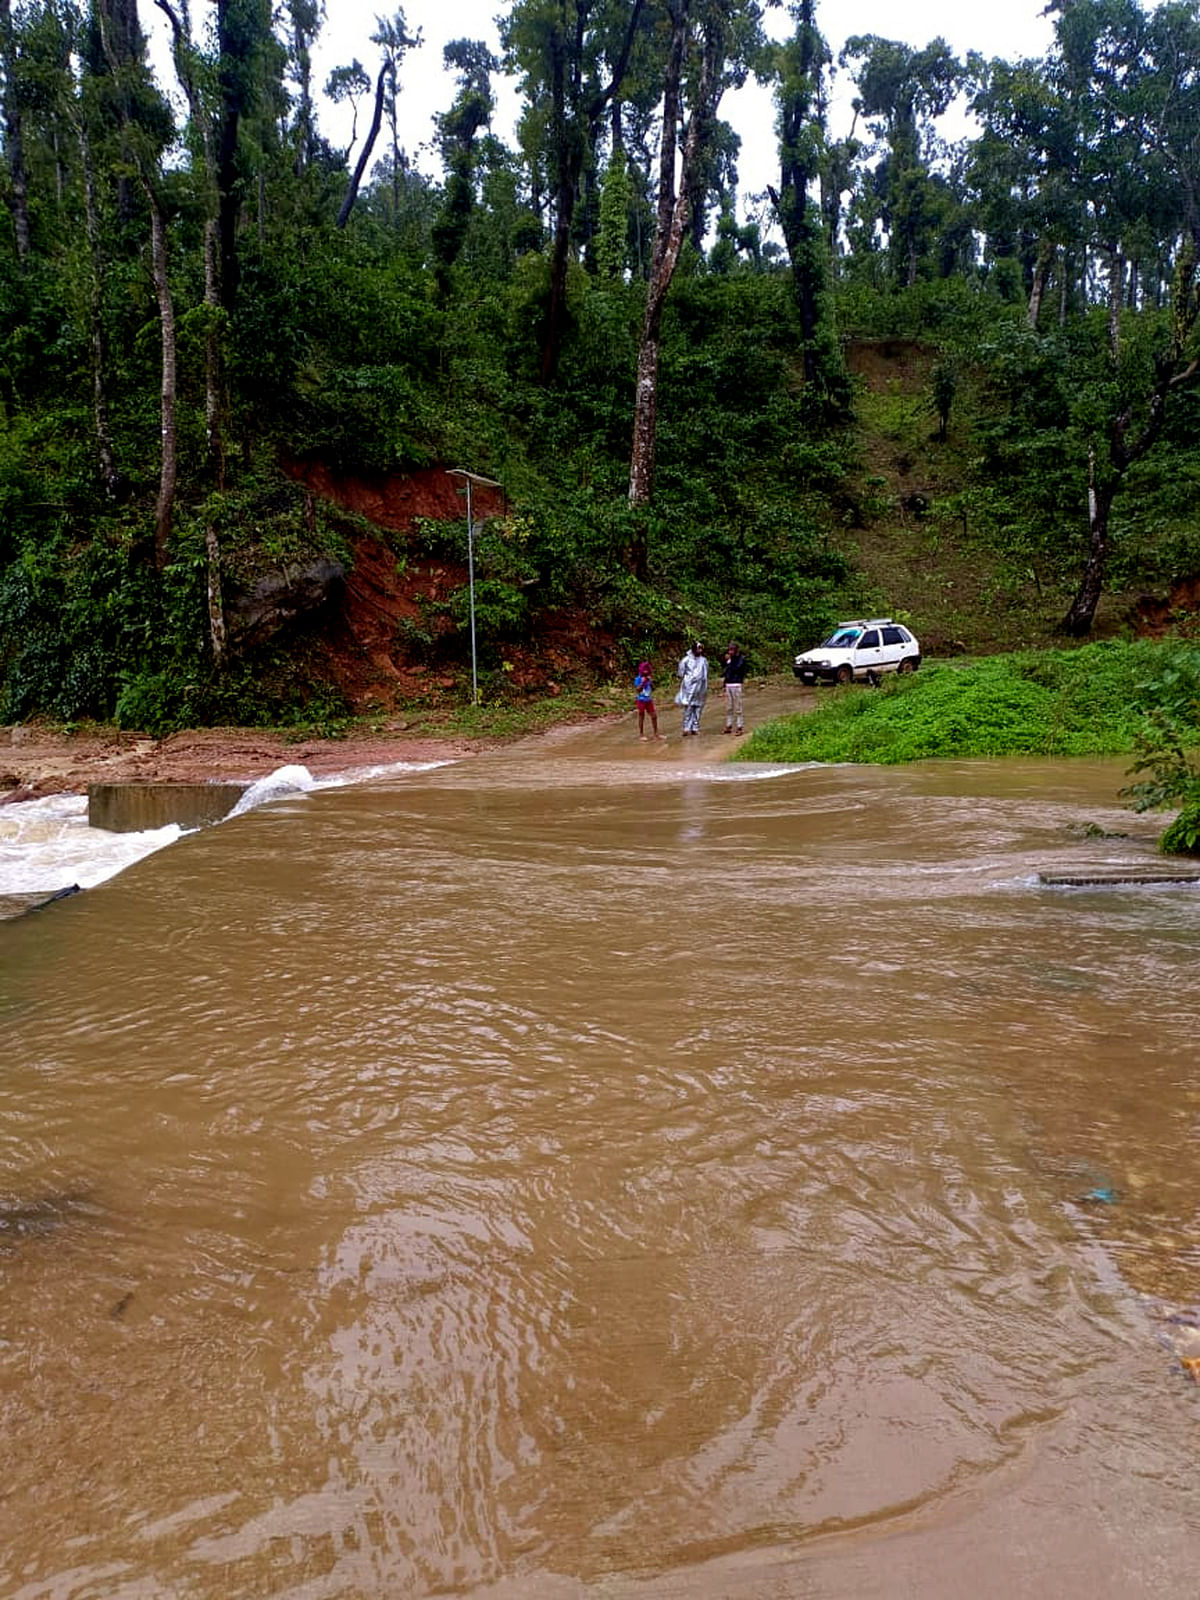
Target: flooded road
x,y
589,1172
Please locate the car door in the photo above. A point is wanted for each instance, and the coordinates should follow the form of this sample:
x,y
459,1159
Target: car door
x,y
868,657
893,645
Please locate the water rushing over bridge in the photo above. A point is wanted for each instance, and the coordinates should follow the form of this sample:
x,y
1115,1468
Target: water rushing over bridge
x,y
588,1172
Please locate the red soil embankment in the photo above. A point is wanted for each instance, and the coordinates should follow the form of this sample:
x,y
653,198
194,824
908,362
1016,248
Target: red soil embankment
x,y
392,644
397,501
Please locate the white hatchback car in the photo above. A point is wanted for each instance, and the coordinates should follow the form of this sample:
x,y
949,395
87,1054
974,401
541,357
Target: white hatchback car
x,y
862,650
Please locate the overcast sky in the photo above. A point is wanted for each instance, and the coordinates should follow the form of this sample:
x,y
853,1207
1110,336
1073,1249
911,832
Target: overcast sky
x,y
1008,28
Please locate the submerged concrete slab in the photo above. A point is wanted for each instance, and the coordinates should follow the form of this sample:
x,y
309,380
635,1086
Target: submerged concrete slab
x,y
137,807
1119,877
16,905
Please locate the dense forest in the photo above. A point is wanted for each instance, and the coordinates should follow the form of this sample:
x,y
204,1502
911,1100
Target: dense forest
x,y
956,378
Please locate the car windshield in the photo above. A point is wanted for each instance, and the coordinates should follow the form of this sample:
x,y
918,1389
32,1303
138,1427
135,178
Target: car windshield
x,y
843,639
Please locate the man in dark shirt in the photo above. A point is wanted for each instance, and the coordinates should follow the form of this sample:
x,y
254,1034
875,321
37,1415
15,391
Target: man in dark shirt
x,y
734,674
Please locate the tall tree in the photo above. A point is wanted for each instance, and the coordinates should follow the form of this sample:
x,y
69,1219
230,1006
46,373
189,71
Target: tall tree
x,y
304,24
473,64
243,34
110,475
704,37
799,64
1023,170
901,91
189,68
146,130
714,179
392,36
569,82
1142,139
14,143
114,47
616,194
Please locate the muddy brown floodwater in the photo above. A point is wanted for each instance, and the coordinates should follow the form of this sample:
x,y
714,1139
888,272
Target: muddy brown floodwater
x,y
585,1171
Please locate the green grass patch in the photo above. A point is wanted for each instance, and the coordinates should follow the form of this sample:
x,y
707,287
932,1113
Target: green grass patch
x,y
503,719
1087,701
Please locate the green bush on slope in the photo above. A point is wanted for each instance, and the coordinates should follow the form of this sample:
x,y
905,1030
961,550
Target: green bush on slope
x,y
1090,701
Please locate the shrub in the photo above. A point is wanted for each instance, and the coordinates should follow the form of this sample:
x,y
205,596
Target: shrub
x,y
1089,701
1182,838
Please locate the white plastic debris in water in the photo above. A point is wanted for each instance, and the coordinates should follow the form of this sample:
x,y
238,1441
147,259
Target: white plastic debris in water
x,y
46,845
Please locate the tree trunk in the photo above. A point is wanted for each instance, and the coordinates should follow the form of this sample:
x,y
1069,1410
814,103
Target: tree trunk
x,y
564,208
109,475
216,606
124,29
670,221
228,123
184,66
1081,614
302,43
369,145
1037,289
213,432
166,316
122,42
1174,369
1116,281
645,406
60,171
395,131
698,192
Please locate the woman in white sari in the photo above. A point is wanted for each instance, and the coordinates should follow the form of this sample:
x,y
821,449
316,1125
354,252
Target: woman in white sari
x,y
693,688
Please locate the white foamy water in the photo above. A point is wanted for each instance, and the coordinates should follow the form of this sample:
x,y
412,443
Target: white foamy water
x,y
286,782
47,845
275,786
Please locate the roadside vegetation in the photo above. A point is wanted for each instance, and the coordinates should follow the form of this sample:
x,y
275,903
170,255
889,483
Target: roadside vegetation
x,y
1113,698
1089,701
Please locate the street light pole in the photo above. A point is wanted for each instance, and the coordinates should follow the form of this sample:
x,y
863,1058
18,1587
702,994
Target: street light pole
x,y
490,483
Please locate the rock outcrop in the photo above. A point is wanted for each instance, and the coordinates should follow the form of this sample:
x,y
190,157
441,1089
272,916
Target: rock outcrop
x,y
278,598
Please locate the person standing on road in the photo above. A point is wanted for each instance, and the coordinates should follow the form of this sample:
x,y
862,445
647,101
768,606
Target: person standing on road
x,y
734,674
693,687
643,688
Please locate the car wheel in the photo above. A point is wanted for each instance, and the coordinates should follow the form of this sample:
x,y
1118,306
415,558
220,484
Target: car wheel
x,y
845,674
907,665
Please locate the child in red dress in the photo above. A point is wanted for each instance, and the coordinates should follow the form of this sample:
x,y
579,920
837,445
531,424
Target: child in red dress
x,y
643,688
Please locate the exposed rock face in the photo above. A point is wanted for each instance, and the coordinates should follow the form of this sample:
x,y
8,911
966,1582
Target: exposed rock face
x,y
278,598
